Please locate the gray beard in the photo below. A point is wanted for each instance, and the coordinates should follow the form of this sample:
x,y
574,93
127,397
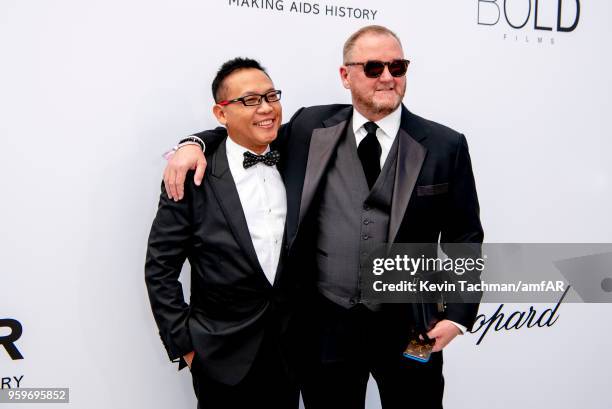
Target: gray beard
x,y
376,109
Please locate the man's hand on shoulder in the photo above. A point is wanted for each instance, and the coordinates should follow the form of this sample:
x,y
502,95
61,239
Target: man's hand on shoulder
x,y
443,332
186,158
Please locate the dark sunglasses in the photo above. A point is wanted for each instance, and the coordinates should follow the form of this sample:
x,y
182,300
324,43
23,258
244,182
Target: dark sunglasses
x,y
375,68
255,99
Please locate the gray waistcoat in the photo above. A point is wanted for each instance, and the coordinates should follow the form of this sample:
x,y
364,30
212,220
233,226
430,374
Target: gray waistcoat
x,y
352,221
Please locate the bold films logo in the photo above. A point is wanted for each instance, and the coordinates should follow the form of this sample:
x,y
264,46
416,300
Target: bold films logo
x,y
530,21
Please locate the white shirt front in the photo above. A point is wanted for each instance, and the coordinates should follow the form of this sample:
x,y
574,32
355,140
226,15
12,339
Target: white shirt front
x,y
386,132
264,203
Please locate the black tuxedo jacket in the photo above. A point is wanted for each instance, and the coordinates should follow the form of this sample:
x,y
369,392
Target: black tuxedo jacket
x,y
434,196
232,303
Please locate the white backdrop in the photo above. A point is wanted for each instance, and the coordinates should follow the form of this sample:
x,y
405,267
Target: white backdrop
x,y
92,92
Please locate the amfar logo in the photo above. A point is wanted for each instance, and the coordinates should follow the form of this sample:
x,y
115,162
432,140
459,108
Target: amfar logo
x,y
543,15
8,341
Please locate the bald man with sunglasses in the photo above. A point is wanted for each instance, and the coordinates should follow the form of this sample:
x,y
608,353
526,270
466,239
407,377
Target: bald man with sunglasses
x,y
358,176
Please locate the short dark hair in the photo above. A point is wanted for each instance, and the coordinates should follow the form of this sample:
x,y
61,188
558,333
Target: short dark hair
x,y
228,68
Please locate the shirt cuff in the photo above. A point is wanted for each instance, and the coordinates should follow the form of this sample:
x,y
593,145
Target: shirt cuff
x,y
461,327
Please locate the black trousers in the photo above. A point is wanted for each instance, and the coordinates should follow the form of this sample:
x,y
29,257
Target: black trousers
x,y
267,384
351,344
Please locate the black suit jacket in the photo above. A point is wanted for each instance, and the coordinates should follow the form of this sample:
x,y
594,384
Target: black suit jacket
x,y
434,196
232,303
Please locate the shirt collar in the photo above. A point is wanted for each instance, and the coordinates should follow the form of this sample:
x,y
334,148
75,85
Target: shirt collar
x,y
389,125
235,152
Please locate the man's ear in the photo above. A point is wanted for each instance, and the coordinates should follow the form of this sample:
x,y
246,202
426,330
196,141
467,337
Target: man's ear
x,y
219,113
344,77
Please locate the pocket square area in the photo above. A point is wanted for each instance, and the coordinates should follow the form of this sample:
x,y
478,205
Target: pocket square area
x,y
429,190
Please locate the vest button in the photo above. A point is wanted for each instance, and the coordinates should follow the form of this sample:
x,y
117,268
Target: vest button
x,y
352,301
365,237
366,222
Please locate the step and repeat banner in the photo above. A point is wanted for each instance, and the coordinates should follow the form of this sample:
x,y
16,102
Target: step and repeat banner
x,y
93,92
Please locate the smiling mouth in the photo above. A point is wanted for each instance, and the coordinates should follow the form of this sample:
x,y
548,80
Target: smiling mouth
x,y
267,123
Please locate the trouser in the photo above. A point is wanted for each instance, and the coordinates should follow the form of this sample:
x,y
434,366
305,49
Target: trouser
x,y
350,344
266,385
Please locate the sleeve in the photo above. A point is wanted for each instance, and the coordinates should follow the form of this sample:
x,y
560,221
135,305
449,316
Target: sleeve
x,y
284,134
212,138
461,328
462,225
167,250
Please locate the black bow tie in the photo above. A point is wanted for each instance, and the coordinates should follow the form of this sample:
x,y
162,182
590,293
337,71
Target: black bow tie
x,y
271,158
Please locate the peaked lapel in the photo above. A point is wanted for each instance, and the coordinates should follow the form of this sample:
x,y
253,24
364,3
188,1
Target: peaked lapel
x,y
410,157
224,188
323,144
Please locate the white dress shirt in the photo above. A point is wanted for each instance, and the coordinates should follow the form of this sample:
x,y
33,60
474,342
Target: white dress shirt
x,y
386,132
388,128
264,203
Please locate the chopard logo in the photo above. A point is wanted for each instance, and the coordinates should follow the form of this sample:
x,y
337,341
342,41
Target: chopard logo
x,y
502,320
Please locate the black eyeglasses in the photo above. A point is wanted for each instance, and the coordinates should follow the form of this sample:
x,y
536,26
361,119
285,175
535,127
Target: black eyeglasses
x,y
375,68
255,99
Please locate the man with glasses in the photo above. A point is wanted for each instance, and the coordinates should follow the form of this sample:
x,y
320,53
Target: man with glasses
x,y
231,230
358,176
